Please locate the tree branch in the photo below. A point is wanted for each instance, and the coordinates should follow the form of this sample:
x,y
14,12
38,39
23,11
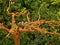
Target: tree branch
x,y
3,27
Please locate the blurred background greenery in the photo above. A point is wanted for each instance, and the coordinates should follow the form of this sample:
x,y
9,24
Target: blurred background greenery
x,y
46,9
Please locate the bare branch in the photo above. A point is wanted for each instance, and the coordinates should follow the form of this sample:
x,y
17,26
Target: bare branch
x,y
3,27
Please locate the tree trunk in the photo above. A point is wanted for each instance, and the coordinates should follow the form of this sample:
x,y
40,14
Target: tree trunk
x,y
17,38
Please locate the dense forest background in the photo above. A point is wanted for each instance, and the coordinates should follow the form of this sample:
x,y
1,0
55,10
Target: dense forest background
x,y
44,9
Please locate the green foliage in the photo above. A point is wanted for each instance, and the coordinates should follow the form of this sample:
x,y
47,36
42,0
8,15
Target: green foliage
x,y
45,9
5,41
55,2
